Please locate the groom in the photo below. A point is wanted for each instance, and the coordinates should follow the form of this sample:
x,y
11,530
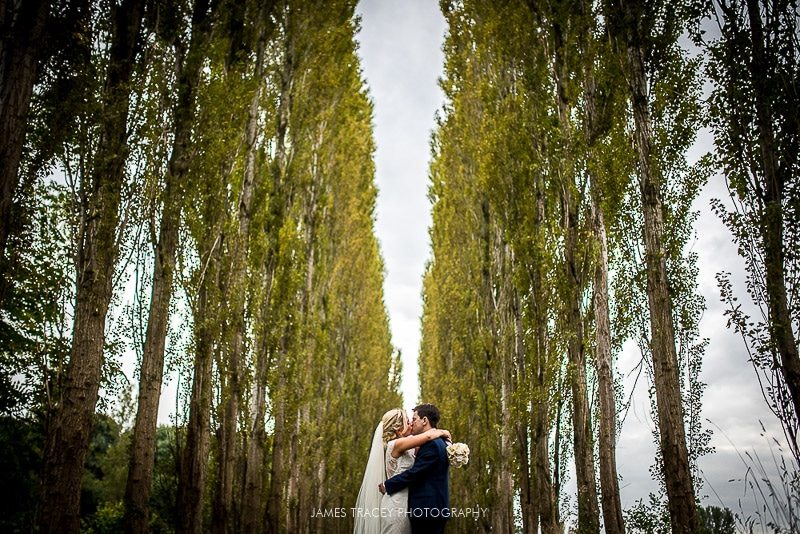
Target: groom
x,y
427,481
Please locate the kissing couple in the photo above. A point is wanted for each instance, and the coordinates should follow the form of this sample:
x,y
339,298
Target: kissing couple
x,y
406,486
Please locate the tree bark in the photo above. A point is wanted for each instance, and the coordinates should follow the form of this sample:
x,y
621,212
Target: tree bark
x,y
140,471
298,495
194,464
19,60
142,461
274,514
69,432
525,493
548,511
583,445
207,339
252,502
497,310
609,480
545,498
677,476
522,380
225,518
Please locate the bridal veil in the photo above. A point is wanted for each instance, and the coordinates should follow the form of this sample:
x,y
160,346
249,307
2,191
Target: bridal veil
x,y
367,513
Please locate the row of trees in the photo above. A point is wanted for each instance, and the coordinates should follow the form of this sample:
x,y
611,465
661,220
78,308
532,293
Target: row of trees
x,y
562,228
192,182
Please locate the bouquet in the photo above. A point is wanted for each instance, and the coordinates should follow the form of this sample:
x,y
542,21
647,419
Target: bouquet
x,y
458,454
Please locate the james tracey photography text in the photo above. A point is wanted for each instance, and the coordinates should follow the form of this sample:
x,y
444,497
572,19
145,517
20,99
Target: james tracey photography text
x,y
341,513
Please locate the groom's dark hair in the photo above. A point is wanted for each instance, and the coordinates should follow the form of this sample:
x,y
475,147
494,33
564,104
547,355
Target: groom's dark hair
x,y
430,411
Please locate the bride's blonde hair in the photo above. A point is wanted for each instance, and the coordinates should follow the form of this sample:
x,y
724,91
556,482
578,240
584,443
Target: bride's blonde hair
x,y
393,422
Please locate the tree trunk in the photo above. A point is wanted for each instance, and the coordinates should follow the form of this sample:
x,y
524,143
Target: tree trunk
x,y
19,55
299,491
207,310
293,477
142,460
497,312
522,380
274,514
224,518
609,481
680,491
545,507
588,511
274,518
548,511
194,466
140,471
545,495
525,493
252,502
69,432
254,447
780,327
583,445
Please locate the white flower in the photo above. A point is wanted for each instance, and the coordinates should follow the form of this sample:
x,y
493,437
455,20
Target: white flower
x,y
458,454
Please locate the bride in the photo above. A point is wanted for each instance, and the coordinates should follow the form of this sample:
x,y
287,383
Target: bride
x,y
392,452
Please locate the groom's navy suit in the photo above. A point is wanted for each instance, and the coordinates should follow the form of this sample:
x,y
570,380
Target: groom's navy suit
x,y
428,486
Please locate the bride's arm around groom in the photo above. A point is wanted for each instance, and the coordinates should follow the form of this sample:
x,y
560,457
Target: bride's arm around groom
x,y
428,480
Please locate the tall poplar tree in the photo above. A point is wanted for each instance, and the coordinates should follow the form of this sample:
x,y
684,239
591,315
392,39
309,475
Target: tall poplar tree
x,y
604,134
68,435
189,58
754,65
661,82
564,24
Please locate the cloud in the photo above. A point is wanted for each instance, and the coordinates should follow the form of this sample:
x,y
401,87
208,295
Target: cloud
x,y
400,50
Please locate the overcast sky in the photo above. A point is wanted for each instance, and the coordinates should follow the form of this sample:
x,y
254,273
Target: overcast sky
x,y
400,47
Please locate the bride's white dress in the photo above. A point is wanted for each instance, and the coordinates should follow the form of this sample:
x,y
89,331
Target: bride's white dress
x,y
394,517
